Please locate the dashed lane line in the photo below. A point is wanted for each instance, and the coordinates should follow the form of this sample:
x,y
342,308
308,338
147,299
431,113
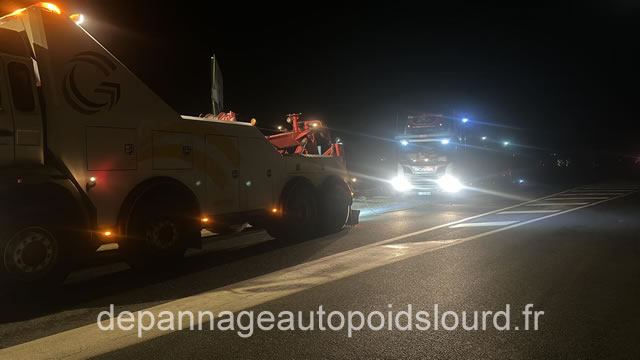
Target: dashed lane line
x,y
527,212
482,224
578,198
558,204
595,193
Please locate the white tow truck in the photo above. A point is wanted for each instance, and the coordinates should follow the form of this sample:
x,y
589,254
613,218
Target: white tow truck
x,y
89,156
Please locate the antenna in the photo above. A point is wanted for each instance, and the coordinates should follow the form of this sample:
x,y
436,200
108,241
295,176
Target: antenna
x,y
216,86
213,85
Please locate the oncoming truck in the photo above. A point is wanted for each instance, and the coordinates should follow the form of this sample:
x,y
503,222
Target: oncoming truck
x,y
90,156
443,155
426,154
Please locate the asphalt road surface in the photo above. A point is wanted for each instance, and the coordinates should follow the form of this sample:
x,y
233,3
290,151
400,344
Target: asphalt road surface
x,y
572,253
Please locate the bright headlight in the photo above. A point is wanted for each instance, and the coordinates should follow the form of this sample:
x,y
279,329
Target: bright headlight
x,y
401,184
450,184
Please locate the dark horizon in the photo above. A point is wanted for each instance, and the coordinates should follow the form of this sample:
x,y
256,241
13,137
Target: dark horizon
x,y
558,81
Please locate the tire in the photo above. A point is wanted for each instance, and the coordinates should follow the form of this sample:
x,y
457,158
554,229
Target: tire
x,y
335,206
299,219
32,257
156,240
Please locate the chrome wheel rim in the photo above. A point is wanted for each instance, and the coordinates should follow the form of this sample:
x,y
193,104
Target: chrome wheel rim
x,y
31,252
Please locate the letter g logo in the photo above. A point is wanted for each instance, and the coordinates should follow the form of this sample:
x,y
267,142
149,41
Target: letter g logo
x,y
82,91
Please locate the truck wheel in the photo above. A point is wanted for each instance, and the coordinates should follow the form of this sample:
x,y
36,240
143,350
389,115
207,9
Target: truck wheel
x,y
335,206
299,217
157,241
32,257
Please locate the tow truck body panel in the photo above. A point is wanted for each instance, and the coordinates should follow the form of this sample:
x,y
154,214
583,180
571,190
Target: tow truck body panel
x,y
71,111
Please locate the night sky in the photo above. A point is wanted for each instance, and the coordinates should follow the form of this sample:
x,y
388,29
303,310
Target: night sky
x,y
563,77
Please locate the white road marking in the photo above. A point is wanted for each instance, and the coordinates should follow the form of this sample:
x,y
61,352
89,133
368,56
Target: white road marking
x,y
611,188
527,212
559,204
88,341
601,190
483,224
579,198
595,193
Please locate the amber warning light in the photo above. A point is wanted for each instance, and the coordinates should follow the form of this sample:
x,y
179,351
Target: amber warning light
x,y
43,5
77,18
50,7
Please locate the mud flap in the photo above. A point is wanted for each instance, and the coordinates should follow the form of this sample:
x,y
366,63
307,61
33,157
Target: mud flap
x,y
354,218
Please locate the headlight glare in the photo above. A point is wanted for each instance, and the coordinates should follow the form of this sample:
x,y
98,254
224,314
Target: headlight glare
x,y
400,183
450,184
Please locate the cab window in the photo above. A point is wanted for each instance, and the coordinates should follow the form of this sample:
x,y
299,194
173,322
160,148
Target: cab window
x,y
21,90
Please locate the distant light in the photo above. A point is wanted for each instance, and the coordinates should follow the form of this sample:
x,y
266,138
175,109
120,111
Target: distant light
x,y
354,180
444,141
279,127
520,181
107,233
506,143
427,159
314,124
404,142
465,120
77,18
92,179
484,138
204,220
274,210
248,183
